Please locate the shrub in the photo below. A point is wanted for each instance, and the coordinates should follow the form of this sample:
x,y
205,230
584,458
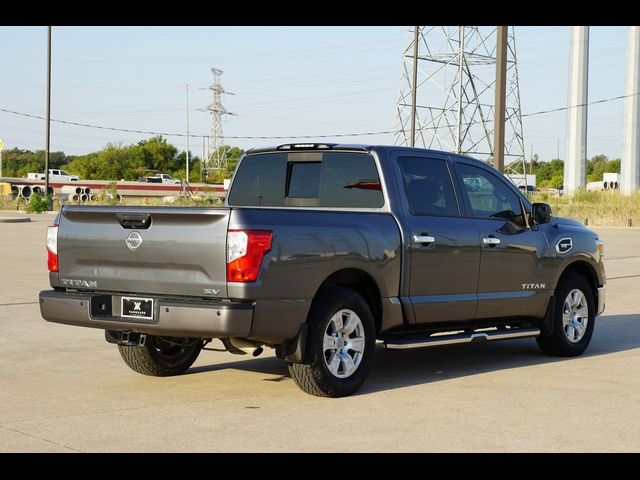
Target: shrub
x,y
38,203
109,194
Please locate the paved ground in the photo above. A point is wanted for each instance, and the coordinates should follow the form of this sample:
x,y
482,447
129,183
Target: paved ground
x,y
65,389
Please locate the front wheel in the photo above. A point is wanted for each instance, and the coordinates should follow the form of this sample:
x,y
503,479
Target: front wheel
x,y
161,356
574,319
340,345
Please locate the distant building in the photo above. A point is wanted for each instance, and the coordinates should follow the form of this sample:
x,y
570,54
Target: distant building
x,y
522,181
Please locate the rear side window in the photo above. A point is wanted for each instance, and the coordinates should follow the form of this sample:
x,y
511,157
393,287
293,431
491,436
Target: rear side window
x,y
350,180
428,186
260,181
309,179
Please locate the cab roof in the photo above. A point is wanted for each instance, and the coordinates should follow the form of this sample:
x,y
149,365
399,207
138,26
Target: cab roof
x,y
353,147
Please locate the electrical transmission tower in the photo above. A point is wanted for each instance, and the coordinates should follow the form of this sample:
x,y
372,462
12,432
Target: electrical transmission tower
x,y
455,92
216,156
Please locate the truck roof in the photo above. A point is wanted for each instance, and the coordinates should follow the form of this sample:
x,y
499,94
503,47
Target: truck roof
x,y
302,146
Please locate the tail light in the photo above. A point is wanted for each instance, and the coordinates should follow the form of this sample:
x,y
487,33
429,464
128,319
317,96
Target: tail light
x,y
245,251
52,248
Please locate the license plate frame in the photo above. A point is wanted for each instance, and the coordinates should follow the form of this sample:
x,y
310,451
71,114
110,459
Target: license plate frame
x,y
139,308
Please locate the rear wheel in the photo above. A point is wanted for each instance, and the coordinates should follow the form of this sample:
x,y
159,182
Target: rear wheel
x,y
340,345
162,356
574,318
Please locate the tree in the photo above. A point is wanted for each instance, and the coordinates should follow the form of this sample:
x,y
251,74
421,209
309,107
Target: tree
x,y
157,154
116,162
195,166
17,162
614,165
549,172
556,181
600,164
233,155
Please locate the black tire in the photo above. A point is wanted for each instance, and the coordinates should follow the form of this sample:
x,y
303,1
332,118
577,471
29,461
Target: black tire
x,y
161,356
313,376
557,344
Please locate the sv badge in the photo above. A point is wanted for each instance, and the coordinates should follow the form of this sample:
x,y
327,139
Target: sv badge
x,y
211,291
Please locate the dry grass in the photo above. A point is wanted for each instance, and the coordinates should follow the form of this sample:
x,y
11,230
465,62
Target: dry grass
x,y
605,208
19,204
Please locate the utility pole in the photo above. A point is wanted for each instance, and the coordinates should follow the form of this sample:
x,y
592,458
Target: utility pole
x,y
630,168
530,162
576,153
415,87
501,93
187,172
48,121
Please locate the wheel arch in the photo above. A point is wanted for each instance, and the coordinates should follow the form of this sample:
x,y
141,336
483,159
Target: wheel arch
x,y
358,280
586,270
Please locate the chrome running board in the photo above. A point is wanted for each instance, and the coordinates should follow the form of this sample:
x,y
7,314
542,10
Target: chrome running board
x,y
475,337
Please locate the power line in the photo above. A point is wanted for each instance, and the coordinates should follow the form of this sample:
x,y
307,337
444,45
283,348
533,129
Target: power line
x,y
167,134
284,137
604,100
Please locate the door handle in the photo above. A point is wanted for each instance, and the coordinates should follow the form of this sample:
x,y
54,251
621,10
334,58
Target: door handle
x,y
491,241
423,239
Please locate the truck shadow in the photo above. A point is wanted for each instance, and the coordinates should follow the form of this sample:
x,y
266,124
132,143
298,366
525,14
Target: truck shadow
x,y
399,369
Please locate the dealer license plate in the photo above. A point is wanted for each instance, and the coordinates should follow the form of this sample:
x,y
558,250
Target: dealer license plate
x,y
134,307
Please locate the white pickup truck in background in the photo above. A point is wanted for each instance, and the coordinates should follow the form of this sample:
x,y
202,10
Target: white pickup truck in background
x,y
162,178
55,176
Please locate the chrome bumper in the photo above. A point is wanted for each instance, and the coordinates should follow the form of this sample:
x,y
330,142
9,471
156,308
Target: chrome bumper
x,y
175,318
602,298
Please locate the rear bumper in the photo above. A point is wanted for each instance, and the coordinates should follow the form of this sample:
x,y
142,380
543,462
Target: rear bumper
x,y
172,317
602,298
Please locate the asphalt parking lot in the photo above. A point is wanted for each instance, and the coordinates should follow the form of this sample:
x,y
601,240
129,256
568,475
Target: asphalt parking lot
x,y
65,389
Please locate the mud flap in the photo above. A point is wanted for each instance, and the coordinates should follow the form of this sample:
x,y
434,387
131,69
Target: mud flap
x,y
294,351
546,328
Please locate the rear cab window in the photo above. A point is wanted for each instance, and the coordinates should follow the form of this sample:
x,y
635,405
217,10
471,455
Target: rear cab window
x,y
307,179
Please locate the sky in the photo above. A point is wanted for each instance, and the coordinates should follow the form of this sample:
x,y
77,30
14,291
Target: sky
x,y
287,81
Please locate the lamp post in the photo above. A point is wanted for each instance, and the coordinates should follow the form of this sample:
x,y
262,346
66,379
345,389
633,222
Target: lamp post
x,y
1,148
48,121
187,172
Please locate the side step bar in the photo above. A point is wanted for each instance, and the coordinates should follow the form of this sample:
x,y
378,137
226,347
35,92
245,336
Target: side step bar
x,y
475,337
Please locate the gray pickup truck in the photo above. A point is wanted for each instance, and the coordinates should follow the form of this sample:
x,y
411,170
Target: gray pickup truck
x,y
319,251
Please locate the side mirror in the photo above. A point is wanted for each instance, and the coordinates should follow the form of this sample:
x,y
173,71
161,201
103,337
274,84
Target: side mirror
x,y
540,213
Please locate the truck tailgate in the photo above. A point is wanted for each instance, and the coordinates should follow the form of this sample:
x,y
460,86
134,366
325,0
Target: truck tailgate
x,y
154,250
